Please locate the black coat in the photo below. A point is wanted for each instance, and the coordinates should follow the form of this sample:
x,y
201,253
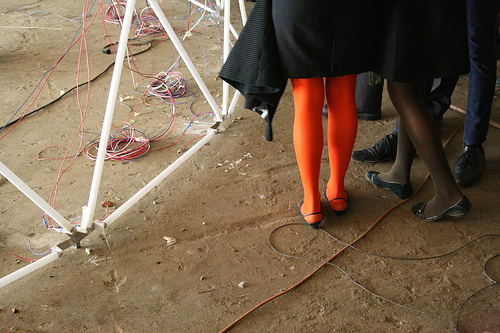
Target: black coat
x,y
253,66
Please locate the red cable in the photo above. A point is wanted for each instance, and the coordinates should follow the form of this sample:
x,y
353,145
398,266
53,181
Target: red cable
x,y
83,111
45,81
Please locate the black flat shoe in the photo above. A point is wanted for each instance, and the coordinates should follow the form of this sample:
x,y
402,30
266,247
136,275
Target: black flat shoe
x,y
314,225
337,212
457,210
402,191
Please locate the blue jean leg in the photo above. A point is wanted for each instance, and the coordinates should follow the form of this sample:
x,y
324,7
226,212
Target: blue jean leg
x,y
482,16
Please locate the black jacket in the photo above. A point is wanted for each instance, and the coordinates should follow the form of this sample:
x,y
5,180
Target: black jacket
x,y
253,66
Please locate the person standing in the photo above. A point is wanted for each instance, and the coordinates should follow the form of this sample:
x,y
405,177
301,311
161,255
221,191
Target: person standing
x,y
482,17
321,47
482,25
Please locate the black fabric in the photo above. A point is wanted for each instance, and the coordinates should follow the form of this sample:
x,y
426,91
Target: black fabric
x,y
326,38
401,40
422,39
253,66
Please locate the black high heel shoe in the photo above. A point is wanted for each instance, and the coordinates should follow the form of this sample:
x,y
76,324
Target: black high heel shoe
x,y
457,210
314,225
402,191
337,212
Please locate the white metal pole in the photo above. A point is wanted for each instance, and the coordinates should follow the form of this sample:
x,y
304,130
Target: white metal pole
x,y
225,85
192,69
37,200
237,94
29,268
233,31
227,23
243,12
142,192
234,102
88,213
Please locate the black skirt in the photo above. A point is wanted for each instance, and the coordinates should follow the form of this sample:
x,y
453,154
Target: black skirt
x,y
422,39
323,38
401,40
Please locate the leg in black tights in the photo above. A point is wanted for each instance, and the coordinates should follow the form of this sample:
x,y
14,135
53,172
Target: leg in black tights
x,y
418,127
400,171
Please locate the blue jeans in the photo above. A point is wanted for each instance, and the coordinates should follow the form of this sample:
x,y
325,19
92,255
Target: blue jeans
x,y
482,25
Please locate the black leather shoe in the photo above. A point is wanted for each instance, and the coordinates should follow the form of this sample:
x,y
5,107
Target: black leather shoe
x,y
402,191
469,166
383,150
457,210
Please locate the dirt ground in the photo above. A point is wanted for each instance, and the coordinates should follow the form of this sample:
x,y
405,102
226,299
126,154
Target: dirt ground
x,y
225,207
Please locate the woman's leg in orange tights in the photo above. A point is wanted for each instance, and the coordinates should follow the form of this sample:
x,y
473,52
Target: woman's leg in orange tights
x,y
342,130
309,96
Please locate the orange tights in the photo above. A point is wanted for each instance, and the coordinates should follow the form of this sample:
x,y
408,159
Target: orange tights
x,y
309,97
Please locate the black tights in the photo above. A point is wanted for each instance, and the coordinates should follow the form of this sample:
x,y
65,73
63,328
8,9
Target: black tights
x,y
418,133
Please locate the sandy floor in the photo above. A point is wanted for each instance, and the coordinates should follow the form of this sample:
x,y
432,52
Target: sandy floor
x,y
225,207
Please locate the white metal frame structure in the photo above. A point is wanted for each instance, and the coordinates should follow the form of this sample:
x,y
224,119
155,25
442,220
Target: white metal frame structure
x,y
88,224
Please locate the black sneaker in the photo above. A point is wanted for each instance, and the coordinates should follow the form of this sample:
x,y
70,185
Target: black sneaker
x,y
469,166
383,150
